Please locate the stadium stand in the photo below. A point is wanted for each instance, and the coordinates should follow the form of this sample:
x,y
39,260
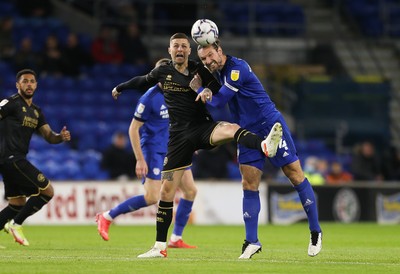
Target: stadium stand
x,y
278,32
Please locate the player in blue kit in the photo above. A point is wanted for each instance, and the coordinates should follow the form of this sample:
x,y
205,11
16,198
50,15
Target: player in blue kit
x,y
148,134
252,108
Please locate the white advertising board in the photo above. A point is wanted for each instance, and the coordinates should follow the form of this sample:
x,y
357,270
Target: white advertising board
x,y
76,203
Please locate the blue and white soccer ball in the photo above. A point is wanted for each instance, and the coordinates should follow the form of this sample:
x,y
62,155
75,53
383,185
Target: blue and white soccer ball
x,y
204,32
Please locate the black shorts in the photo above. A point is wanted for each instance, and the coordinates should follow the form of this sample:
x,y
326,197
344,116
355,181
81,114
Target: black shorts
x,y
182,145
22,179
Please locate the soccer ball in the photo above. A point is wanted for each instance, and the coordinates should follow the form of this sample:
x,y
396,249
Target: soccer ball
x,y
204,32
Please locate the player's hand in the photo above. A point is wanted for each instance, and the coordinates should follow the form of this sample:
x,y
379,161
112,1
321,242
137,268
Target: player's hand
x,y
115,93
205,95
65,134
141,169
196,83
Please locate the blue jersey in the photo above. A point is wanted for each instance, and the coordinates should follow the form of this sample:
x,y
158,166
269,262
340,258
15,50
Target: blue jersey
x,y
246,93
252,108
152,111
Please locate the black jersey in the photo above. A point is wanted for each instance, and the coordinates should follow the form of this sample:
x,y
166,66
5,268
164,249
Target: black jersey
x,y
179,97
18,122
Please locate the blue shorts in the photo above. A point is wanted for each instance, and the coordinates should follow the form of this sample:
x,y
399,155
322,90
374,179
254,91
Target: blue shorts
x,y
154,162
285,155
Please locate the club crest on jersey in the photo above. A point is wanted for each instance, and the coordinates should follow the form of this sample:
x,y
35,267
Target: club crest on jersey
x,y
23,109
41,177
235,75
156,171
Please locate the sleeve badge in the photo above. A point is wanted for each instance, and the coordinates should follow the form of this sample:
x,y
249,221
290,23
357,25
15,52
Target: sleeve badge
x,y
235,75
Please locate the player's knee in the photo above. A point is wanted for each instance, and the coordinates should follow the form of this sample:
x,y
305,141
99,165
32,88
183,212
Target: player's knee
x,y
190,194
167,194
152,198
227,130
296,178
232,128
249,185
48,191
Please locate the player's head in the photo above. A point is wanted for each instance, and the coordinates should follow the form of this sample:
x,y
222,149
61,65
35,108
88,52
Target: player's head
x,y
26,83
162,61
211,56
179,48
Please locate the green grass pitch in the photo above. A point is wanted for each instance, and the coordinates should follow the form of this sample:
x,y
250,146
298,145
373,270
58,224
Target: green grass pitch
x,y
347,248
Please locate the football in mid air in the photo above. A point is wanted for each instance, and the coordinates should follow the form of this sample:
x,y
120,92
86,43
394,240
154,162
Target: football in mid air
x,y
204,32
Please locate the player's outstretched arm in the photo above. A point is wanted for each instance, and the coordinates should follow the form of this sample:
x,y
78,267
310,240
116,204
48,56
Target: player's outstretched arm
x,y
142,83
55,138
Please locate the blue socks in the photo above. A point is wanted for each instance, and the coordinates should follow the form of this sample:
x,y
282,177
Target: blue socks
x,y
128,205
251,209
307,198
182,216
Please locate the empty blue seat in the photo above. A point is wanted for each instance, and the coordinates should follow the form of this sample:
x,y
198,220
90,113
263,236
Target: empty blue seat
x,y
91,165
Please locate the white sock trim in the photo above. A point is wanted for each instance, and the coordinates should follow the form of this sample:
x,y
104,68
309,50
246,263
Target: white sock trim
x,y
107,216
160,245
175,238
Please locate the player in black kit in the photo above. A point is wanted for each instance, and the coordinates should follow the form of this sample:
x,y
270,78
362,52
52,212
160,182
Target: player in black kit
x,y
19,119
191,126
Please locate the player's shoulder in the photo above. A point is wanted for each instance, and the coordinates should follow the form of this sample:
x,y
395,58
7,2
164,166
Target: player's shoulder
x,y
237,66
14,97
151,93
194,66
11,100
237,62
164,67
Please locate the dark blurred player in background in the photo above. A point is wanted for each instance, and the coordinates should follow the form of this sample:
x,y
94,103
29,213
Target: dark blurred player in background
x,y
19,119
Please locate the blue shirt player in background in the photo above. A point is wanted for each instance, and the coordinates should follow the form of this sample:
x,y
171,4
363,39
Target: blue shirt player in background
x,y
252,108
148,133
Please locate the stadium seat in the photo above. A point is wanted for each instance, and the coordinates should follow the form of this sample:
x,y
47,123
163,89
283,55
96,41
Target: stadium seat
x,y
294,19
91,165
268,18
71,170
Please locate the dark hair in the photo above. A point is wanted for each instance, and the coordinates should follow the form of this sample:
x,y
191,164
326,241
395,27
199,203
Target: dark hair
x,y
215,45
179,35
162,61
24,71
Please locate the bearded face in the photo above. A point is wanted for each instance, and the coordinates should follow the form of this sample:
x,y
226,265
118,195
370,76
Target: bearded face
x,y
26,85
